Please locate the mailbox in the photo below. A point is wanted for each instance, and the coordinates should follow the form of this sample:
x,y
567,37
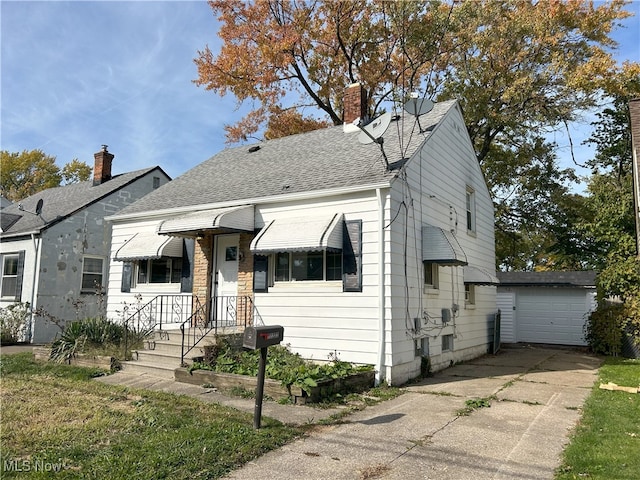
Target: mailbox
x,y
261,337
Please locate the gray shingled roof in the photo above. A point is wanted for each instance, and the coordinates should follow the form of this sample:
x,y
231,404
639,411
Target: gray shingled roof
x,y
314,161
548,279
60,202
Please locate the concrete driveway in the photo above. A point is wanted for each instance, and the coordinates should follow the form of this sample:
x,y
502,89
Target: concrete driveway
x,y
535,397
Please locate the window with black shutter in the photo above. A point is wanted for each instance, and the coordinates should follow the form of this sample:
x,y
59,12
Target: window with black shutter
x,y
260,273
186,280
127,272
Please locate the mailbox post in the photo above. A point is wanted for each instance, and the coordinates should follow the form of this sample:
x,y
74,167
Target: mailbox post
x,y
261,338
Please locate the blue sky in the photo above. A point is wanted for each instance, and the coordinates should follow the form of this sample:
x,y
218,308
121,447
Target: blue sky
x,y
76,75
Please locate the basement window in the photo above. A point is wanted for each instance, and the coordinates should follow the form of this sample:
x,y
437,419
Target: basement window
x,y
447,343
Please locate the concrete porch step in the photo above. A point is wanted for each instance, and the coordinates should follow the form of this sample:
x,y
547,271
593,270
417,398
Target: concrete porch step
x,y
160,355
140,367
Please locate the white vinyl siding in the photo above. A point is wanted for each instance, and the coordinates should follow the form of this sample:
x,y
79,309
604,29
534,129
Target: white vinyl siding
x,y
140,293
319,318
443,204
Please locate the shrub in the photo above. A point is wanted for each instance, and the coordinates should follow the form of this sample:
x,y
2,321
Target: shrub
x,y
13,322
607,326
282,364
93,334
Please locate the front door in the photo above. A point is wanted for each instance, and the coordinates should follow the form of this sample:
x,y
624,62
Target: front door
x,y
225,279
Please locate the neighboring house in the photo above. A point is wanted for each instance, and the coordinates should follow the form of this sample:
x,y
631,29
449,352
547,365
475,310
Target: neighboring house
x,y
54,245
372,264
545,307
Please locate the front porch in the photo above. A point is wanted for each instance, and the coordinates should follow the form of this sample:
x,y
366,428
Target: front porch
x,y
178,327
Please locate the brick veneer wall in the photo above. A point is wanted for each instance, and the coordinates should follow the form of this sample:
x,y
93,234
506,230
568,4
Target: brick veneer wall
x,y
245,277
202,264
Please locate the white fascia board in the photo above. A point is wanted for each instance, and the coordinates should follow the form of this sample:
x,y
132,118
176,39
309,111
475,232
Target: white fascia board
x,y
248,201
20,234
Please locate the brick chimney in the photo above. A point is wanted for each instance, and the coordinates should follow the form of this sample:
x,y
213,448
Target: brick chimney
x,y
634,117
102,166
355,103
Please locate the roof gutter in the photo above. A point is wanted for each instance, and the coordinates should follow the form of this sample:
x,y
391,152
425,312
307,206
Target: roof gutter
x,y
251,201
29,234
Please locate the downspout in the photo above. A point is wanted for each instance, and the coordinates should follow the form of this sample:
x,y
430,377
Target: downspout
x,y
381,289
36,246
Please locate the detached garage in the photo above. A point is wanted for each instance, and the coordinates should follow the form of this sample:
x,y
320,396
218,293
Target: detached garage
x,y
545,307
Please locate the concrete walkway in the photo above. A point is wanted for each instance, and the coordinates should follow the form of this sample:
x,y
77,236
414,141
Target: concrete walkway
x,y
288,414
537,394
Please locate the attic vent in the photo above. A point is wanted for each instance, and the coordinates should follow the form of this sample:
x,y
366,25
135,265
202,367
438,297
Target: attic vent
x,y
255,148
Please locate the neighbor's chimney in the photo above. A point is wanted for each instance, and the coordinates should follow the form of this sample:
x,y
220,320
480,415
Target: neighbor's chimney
x,y
102,167
634,117
355,103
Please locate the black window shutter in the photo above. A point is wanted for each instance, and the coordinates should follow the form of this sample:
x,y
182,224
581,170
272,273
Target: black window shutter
x,y
127,269
186,280
18,296
260,273
352,256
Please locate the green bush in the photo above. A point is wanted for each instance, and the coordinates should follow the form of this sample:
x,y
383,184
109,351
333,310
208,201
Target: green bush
x,y
13,322
609,324
94,334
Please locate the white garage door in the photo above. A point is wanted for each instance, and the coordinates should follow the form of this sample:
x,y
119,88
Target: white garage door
x,y
551,315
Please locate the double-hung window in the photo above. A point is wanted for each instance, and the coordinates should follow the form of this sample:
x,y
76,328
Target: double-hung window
x,y
471,210
430,275
9,275
92,274
469,294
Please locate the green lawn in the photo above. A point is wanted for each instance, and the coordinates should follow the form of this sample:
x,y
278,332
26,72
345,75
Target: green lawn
x,y
606,444
58,423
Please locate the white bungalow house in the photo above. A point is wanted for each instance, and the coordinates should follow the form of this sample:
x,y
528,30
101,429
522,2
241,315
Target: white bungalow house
x,y
383,261
55,245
